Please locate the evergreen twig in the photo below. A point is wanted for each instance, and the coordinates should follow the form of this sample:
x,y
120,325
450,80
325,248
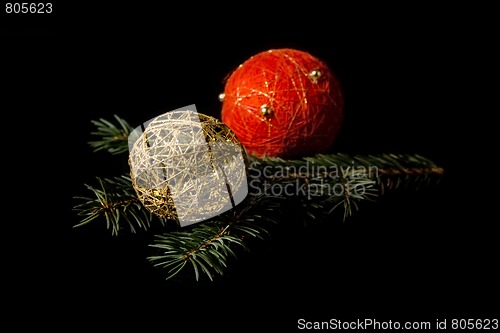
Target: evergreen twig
x,y
310,188
113,138
114,199
207,247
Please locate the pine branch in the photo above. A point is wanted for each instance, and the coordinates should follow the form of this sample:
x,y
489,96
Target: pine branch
x,y
325,182
308,189
387,171
207,247
113,138
114,200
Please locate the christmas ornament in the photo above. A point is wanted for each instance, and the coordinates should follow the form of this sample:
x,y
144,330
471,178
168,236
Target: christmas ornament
x,y
187,166
284,103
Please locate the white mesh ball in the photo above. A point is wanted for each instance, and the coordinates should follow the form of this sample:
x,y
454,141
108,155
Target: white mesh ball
x,y
187,166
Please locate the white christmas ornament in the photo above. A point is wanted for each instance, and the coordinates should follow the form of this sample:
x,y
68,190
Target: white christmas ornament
x,y
187,166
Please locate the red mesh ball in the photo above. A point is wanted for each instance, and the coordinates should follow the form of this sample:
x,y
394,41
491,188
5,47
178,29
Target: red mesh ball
x,y
284,103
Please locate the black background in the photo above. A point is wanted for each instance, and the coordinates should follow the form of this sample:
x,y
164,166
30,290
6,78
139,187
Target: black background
x,y
410,83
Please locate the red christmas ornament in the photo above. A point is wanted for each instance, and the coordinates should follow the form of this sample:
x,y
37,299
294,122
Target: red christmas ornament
x,y
284,103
